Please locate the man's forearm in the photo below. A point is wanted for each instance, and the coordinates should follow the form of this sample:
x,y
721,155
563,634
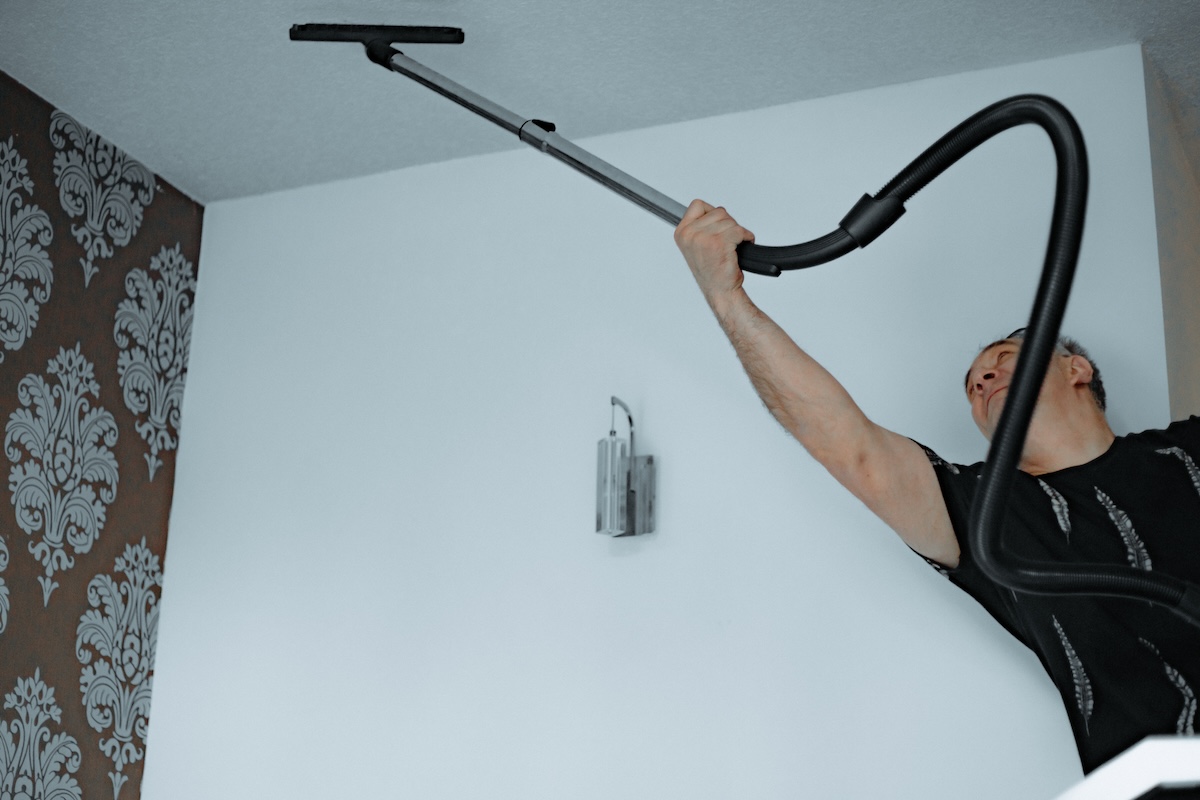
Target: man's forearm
x,y
888,472
801,394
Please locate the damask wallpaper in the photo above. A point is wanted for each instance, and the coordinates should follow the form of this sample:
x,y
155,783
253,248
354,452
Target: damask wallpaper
x,y
97,279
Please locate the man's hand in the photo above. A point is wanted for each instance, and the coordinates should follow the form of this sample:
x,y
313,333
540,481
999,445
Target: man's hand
x,y
708,237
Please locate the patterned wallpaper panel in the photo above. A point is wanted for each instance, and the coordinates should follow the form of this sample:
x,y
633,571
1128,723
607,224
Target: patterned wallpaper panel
x,y
97,279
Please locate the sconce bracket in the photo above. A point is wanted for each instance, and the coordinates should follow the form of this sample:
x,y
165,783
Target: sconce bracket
x,y
625,484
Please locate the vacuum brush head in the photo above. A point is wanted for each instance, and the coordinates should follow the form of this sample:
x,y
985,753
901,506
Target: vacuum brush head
x,y
366,34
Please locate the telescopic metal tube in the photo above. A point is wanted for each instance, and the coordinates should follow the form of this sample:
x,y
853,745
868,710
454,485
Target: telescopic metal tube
x,y
622,183
759,259
386,56
532,133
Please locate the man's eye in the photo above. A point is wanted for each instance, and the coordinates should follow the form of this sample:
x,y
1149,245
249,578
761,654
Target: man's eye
x,y
1003,356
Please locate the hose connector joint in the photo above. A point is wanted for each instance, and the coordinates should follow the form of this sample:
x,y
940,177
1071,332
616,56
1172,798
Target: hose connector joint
x,y
871,217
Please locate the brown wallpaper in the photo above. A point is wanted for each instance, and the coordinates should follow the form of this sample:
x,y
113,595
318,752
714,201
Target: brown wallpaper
x,y
98,262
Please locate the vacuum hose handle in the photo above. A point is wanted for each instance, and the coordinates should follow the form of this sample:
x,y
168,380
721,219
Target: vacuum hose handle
x,y
868,218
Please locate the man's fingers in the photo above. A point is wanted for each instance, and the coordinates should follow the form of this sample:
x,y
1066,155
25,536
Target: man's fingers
x,y
702,216
698,208
703,219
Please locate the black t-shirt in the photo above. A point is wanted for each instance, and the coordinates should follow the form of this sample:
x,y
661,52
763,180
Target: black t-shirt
x,y
1126,669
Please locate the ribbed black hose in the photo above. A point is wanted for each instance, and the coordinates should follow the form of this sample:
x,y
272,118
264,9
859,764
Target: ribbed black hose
x,y
1062,253
872,215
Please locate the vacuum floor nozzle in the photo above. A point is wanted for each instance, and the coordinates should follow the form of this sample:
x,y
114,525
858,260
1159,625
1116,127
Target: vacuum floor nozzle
x,y
390,34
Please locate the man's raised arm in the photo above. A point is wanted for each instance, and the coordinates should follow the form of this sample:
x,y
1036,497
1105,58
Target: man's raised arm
x,y
887,472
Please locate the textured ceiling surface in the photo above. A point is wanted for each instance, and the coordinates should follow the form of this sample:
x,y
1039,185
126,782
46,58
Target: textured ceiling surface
x,y
215,98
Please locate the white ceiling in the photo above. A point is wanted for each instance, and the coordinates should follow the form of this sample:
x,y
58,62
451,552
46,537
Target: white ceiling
x,y
215,98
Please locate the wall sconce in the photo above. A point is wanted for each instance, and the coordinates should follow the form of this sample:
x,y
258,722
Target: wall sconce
x,y
624,484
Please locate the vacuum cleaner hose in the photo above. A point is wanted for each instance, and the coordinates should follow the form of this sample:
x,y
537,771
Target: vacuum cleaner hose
x,y
872,215
1062,253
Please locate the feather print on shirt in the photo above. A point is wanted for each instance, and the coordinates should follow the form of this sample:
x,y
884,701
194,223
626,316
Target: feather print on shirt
x,y
1059,503
1193,470
937,460
1186,724
945,573
1139,558
1083,686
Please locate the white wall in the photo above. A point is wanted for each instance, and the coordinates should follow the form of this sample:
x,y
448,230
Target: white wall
x,y
381,576
1177,204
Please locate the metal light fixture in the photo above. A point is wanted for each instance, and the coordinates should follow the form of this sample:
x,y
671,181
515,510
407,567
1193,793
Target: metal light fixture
x,y
624,484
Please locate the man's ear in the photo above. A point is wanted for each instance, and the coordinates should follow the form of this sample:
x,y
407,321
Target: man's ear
x,y
1081,371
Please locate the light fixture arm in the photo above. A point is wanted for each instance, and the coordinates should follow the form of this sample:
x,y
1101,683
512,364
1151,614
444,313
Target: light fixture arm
x,y
616,401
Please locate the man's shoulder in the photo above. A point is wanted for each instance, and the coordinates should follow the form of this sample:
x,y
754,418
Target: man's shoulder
x,y
1182,432
1188,424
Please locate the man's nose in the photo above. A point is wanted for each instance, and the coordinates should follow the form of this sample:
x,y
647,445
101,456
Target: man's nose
x,y
984,378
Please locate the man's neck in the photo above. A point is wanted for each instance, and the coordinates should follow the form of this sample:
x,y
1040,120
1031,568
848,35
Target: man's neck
x,y
1062,441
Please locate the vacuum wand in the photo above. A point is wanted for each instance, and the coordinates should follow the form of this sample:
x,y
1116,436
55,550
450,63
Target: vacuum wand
x,y
866,220
537,133
534,132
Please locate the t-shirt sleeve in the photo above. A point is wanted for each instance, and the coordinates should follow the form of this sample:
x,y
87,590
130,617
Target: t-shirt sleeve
x,y
1186,432
959,484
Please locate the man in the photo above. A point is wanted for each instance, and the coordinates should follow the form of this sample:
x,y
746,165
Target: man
x,y
1126,669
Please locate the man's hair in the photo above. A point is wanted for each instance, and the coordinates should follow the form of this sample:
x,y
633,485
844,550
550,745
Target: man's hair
x,y
1068,347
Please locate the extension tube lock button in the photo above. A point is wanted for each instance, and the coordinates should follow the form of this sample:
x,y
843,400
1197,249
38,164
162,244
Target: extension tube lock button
x,y
871,217
536,132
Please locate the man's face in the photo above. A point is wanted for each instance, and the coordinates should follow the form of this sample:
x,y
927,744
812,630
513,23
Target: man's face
x,y
987,383
992,371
